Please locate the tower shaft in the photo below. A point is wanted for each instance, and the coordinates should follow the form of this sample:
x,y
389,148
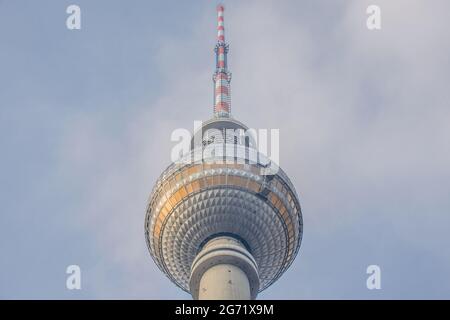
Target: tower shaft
x,y
224,270
224,282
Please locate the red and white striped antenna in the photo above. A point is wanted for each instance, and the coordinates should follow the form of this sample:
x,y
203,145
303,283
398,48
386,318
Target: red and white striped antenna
x,y
220,24
222,77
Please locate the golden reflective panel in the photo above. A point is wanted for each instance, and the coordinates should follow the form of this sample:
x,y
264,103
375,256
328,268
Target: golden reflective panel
x,y
177,196
192,170
168,206
290,227
272,197
254,186
209,181
164,212
285,214
291,233
172,200
196,185
222,179
241,182
183,192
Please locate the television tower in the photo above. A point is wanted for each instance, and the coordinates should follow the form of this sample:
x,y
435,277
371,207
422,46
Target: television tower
x,y
223,222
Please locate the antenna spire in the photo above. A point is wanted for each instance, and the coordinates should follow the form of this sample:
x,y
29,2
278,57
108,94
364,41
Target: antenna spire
x,y
221,77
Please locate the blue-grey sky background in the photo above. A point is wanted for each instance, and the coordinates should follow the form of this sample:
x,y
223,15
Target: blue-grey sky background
x,y
86,118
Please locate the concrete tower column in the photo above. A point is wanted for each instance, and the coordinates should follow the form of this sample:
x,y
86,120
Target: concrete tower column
x,y
224,270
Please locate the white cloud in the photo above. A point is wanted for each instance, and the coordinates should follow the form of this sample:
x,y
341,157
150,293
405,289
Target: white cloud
x,y
364,131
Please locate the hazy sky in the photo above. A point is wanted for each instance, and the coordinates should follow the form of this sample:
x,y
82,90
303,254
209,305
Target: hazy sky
x,y
86,118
